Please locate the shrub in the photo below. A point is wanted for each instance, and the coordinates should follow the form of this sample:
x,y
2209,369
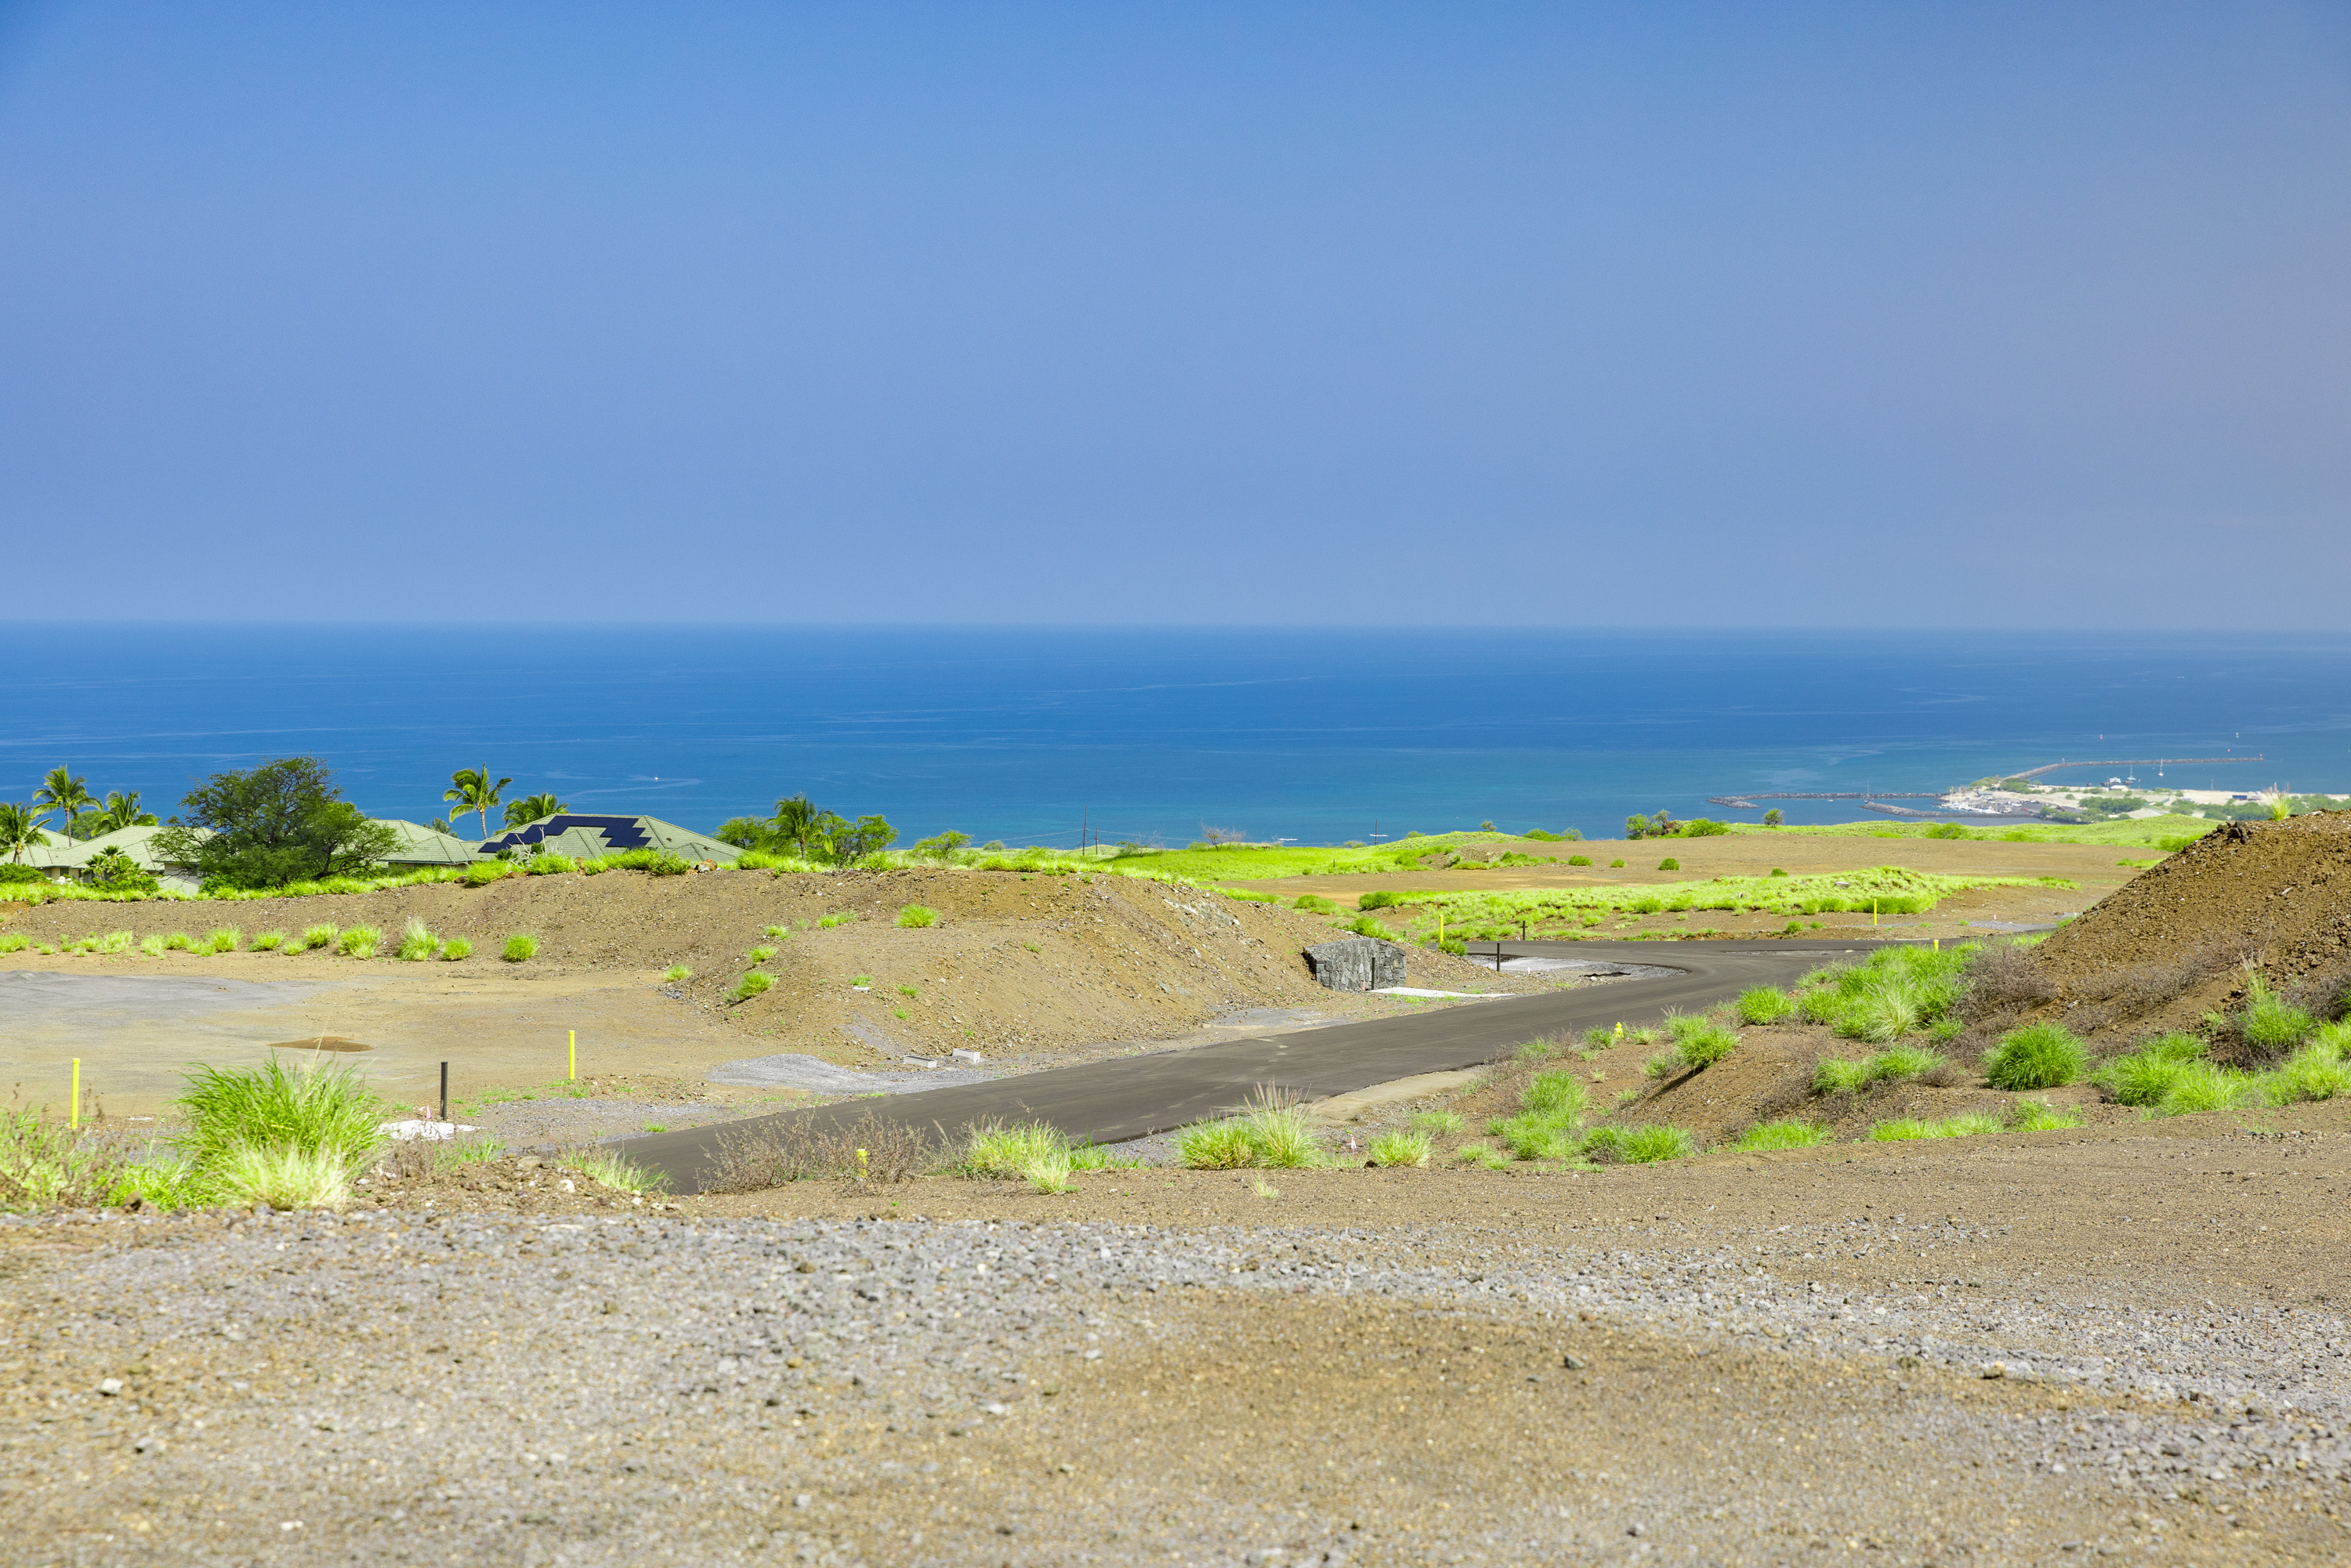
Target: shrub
x,y
417,941
2038,1056
1780,1136
360,941
265,941
914,916
454,949
519,949
1638,1146
1764,1004
1400,1148
2040,1116
314,936
752,984
1779,871
1669,863
220,939
675,973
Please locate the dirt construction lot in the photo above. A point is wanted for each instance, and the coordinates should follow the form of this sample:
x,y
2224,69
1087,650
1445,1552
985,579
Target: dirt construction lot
x,y
2108,1344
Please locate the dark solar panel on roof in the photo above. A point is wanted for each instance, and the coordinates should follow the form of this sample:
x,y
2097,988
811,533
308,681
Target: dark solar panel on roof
x,y
620,832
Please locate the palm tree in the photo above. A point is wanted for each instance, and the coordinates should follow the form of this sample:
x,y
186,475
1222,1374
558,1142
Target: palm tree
x,y
795,820
532,807
61,791
472,790
20,829
121,811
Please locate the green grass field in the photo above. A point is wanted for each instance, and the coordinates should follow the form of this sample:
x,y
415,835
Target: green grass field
x,y
2124,830
1890,890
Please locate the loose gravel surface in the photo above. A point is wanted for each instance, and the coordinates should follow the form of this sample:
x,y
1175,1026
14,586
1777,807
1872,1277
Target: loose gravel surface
x,y
675,1386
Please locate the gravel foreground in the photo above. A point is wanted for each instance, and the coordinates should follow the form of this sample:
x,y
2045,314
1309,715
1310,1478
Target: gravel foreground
x,y
298,1388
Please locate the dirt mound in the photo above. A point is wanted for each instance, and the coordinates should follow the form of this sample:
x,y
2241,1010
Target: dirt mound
x,y
2174,942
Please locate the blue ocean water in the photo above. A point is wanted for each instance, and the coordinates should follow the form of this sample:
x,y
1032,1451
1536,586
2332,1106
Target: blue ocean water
x,y
1031,735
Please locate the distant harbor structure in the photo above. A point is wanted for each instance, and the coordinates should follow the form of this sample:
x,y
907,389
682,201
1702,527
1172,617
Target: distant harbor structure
x,y
1980,810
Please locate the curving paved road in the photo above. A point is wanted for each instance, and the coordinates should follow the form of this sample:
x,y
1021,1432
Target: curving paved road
x,y
1131,1096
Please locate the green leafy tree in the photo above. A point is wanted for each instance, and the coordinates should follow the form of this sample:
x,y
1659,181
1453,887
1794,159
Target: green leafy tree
x,y
471,789
795,822
941,846
20,829
1775,817
746,832
284,821
866,836
533,809
61,791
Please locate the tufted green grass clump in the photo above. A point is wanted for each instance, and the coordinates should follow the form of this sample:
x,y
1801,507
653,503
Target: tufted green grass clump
x,y
2040,1116
359,942
266,941
1395,1148
1780,1136
1904,1062
1270,1131
2038,1056
520,949
456,948
220,939
752,984
1701,1042
1764,1004
417,941
1638,1146
677,972
915,916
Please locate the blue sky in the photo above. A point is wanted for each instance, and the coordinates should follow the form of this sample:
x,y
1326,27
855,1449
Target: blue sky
x,y
1818,316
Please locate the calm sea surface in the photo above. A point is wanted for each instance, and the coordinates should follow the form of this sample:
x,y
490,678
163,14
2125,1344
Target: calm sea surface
x,y
1025,735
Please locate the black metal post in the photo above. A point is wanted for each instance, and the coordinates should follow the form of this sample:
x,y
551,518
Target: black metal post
x,y
444,1091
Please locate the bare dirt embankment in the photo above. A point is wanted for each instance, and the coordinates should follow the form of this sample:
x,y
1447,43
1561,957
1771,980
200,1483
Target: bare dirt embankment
x,y
1030,970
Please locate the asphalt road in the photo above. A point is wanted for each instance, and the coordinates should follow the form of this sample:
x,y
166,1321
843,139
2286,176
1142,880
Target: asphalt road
x,y
1134,1096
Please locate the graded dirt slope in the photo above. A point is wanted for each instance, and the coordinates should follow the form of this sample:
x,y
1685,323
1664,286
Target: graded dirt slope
x,y
1028,970
2159,953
